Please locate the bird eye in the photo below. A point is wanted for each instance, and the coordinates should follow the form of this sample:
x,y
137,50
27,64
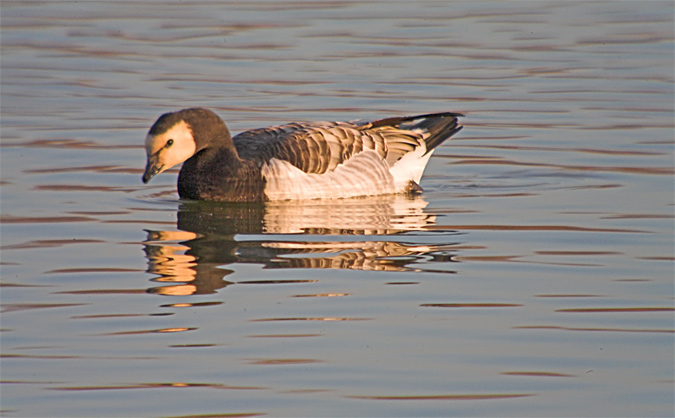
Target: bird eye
x,y
169,142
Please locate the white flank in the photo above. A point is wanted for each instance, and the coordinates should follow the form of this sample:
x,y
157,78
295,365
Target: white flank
x,y
365,174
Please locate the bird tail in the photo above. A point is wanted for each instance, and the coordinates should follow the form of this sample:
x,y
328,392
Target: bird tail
x,y
440,126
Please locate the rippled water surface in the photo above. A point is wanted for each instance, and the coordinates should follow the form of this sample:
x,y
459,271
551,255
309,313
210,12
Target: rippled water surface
x,y
534,277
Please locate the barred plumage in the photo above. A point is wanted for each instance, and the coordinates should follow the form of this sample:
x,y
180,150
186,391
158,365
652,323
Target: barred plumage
x,y
300,160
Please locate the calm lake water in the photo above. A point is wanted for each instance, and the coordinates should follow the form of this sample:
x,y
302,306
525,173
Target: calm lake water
x,y
534,277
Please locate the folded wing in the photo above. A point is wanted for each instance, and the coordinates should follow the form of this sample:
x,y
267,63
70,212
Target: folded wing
x,y
320,147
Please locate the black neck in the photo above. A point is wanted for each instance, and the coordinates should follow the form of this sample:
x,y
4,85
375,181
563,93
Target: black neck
x,y
219,174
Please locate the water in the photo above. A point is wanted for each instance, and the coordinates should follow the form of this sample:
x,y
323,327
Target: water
x,y
534,277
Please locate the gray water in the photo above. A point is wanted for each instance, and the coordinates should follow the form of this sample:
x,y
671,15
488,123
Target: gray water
x,y
534,277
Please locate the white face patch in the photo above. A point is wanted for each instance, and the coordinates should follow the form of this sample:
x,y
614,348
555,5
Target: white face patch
x,y
172,147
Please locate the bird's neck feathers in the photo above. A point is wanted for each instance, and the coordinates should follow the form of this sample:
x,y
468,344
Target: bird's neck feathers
x,y
214,139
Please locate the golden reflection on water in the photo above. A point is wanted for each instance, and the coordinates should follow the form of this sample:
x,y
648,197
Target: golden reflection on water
x,y
561,189
362,216
315,234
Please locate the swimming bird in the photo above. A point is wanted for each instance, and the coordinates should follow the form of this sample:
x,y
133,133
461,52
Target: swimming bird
x,y
299,160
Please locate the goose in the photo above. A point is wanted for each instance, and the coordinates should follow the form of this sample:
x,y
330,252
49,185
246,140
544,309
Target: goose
x,y
295,161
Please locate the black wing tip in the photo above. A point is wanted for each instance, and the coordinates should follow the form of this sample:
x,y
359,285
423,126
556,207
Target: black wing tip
x,y
396,121
441,127
439,114
454,131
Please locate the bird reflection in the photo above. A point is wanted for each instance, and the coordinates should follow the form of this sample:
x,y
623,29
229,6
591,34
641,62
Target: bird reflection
x,y
362,233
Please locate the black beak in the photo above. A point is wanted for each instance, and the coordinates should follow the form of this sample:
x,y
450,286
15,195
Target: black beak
x,y
152,168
